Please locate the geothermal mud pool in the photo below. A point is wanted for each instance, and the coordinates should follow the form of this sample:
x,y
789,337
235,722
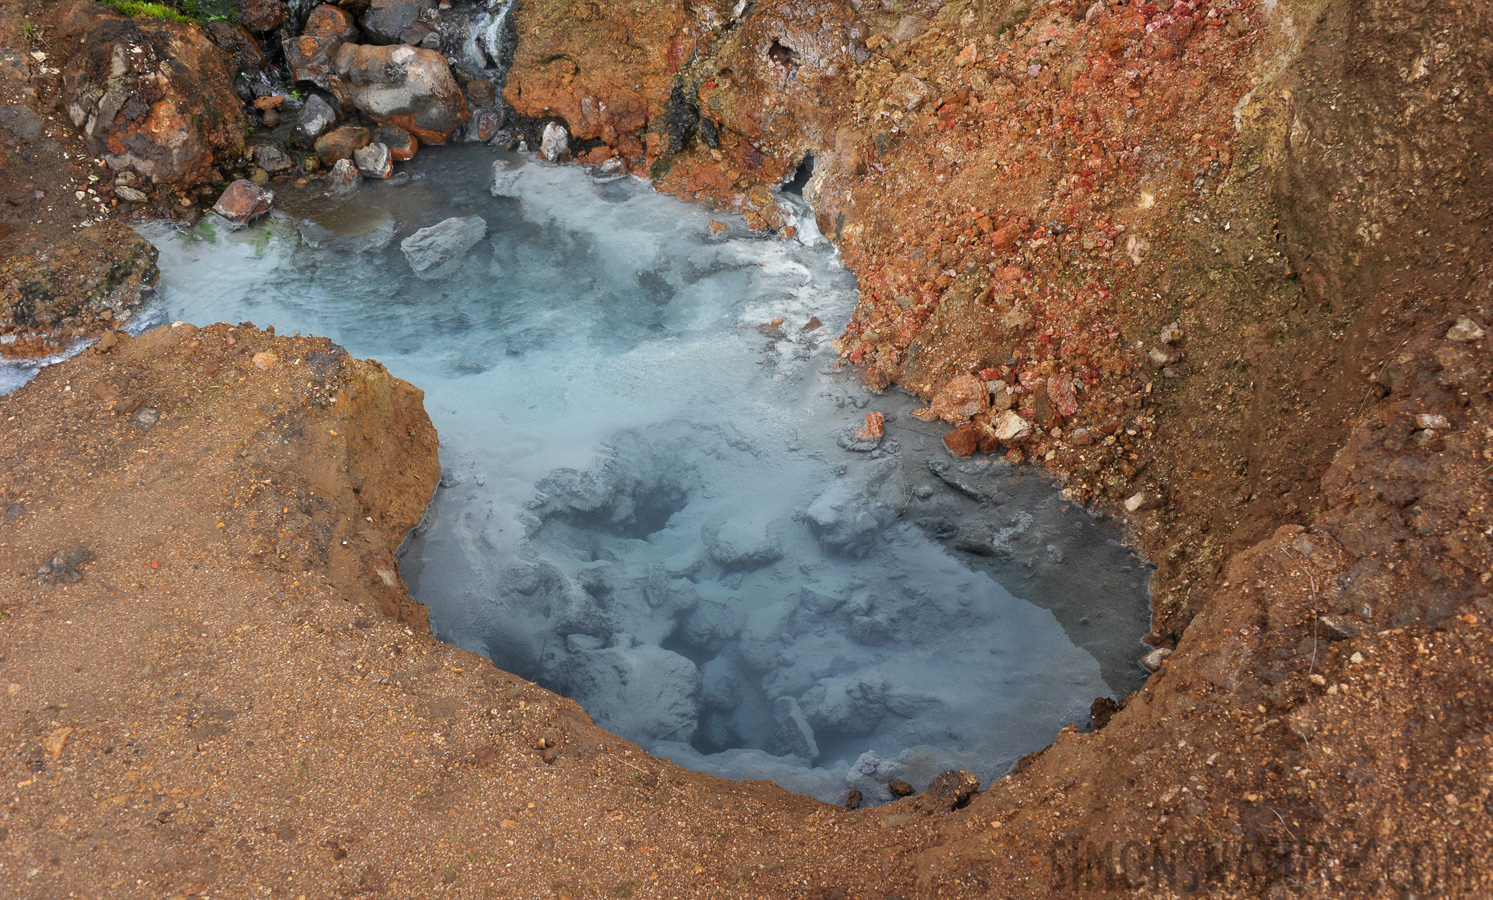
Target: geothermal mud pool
x,y
653,499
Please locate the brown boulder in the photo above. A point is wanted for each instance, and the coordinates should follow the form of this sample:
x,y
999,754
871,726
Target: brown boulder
x,y
239,44
341,143
404,86
154,97
243,202
962,441
402,145
263,15
311,55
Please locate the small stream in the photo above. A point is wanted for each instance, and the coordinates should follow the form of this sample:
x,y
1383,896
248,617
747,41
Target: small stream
x,y
652,499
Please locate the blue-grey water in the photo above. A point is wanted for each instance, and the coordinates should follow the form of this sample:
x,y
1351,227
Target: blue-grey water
x,y
648,503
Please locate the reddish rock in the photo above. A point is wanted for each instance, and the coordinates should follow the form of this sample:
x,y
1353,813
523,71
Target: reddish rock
x,y
404,86
873,429
243,202
154,97
961,399
402,145
263,15
340,143
962,441
481,93
311,55
239,44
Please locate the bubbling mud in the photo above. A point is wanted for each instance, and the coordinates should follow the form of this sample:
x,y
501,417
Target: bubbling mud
x,y
654,500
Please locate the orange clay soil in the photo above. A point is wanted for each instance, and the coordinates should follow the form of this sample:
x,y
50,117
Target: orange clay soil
x,y
213,683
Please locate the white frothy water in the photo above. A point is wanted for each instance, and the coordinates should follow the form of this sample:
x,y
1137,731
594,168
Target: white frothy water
x,y
648,503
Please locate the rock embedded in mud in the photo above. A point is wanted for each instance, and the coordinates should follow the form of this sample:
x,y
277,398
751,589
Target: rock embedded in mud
x,y
791,732
344,177
271,158
1464,331
555,143
900,788
341,143
155,97
436,251
374,160
405,86
1153,661
243,202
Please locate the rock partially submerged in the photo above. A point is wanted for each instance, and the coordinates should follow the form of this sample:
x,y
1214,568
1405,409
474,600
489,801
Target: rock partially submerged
x,y
243,202
436,251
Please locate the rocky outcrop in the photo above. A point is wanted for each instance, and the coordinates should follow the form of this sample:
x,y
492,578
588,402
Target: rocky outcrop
x,y
57,289
404,86
152,97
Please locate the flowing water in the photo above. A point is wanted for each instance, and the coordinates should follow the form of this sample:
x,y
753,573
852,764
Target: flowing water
x,y
652,499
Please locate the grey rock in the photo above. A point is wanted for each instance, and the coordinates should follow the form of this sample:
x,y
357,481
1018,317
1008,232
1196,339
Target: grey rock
x,y
437,251
791,731
316,117
20,124
129,194
405,86
373,160
1153,661
386,21
505,179
643,691
271,158
741,545
344,177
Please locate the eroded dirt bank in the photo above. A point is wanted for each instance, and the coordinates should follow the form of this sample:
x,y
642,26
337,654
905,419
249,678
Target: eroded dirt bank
x,y
1315,465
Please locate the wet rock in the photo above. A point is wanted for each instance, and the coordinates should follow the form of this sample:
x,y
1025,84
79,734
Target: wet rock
x,y
555,142
504,179
644,690
374,161
1101,711
948,792
791,731
613,169
436,251
263,15
367,235
344,177
481,92
484,125
243,202
391,21
405,86
239,44
1153,661
271,158
843,521
1464,331
852,799
155,97
962,441
312,55
900,788
742,544
402,145
316,117
341,143
63,567
19,124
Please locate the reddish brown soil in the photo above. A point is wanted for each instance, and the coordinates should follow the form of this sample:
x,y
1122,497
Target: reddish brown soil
x,y
246,717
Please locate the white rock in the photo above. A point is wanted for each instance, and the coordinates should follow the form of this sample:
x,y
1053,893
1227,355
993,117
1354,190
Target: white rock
x,y
436,252
1432,422
555,143
1010,427
1464,330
